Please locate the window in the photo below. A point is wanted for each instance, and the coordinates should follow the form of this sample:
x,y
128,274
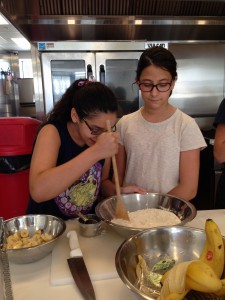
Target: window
x,y
25,68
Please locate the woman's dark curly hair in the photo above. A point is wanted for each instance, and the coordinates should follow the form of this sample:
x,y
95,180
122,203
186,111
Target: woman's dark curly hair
x,y
87,97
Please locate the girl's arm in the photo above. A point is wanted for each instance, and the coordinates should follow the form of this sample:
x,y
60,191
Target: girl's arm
x,y
48,180
189,175
219,144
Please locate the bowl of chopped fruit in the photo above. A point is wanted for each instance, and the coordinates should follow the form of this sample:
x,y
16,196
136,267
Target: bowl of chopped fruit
x,y
30,238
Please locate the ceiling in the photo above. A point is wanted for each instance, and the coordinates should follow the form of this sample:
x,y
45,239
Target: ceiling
x,y
7,32
155,20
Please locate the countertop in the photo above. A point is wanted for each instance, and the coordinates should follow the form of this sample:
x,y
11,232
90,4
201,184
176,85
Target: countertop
x,y
33,281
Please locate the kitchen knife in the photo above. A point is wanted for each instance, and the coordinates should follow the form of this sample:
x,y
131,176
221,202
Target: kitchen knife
x,y
78,268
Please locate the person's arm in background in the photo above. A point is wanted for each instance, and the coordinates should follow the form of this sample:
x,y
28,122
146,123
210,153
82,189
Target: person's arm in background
x,y
107,185
189,175
219,143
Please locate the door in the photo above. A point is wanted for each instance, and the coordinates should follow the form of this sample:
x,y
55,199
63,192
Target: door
x,y
118,71
60,70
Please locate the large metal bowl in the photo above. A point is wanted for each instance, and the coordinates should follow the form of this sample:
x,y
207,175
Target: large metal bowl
x,y
179,243
133,202
46,223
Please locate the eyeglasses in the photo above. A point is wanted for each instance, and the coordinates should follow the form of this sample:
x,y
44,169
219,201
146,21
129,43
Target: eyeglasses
x,y
161,87
98,131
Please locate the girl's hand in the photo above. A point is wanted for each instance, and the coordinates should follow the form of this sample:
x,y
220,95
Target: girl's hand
x,y
133,189
107,144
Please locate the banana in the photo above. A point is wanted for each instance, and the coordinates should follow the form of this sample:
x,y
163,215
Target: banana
x,y
221,293
201,275
213,251
202,278
175,296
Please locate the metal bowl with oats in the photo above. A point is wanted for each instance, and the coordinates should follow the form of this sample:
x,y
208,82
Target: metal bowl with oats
x,y
106,209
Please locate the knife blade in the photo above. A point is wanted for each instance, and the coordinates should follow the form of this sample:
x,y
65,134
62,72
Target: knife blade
x,y
78,268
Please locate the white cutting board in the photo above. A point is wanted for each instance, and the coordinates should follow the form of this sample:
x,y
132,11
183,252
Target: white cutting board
x,y
98,253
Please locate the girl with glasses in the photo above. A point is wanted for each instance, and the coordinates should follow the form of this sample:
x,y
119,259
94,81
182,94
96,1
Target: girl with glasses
x,y
73,151
159,144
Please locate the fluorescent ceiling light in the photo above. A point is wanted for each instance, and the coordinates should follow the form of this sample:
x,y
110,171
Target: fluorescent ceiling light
x,y
201,22
2,40
3,20
71,22
22,43
138,22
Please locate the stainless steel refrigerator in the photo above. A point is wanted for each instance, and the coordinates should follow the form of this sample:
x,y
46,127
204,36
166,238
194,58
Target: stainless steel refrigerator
x,y
116,69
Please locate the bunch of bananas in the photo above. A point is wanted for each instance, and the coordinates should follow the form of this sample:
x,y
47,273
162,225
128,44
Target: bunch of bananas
x,y
202,275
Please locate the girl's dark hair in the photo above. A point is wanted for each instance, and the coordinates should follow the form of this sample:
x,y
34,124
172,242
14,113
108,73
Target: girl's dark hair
x,y
160,57
87,97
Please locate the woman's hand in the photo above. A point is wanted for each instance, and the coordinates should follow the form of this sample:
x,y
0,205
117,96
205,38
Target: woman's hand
x,y
133,189
107,144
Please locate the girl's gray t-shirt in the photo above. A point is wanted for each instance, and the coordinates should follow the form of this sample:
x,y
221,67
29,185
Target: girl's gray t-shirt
x,y
153,149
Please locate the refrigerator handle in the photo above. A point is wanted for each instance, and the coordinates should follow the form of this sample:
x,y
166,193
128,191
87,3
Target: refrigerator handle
x,y
90,73
102,74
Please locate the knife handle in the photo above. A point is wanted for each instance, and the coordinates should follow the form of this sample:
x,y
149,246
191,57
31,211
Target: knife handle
x,y
76,253
73,240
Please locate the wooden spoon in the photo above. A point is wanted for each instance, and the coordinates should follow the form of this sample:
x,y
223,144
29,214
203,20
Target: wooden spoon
x,y
121,212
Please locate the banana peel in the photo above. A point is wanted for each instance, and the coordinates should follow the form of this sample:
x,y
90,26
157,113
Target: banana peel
x,y
186,276
174,282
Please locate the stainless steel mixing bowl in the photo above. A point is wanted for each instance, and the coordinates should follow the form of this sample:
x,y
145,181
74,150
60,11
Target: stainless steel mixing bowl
x,y
133,202
178,243
46,223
